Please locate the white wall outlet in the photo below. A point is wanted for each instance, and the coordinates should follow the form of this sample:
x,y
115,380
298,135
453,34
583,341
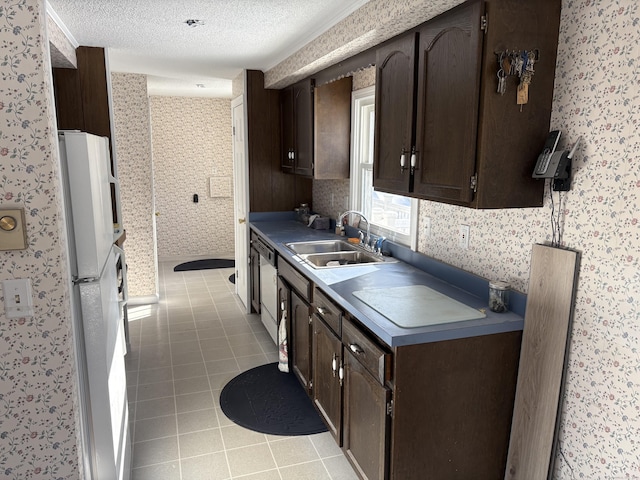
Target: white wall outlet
x,y
463,237
427,227
18,301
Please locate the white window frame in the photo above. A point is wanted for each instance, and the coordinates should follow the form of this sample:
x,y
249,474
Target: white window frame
x,y
362,103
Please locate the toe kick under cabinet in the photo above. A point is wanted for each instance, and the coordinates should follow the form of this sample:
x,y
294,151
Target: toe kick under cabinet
x,y
436,411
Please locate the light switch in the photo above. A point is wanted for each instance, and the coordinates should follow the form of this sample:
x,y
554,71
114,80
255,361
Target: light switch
x,y
12,229
18,301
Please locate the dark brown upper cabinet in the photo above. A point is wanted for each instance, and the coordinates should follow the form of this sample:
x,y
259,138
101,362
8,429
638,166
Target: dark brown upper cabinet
x,y
443,132
297,128
316,129
332,129
395,98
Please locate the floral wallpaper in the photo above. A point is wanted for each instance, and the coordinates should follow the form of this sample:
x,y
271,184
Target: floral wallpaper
x,y
597,96
135,172
63,53
191,143
37,387
374,22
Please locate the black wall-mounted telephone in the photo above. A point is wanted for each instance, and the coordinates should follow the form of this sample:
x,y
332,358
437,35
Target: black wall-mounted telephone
x,y
555,164
548,164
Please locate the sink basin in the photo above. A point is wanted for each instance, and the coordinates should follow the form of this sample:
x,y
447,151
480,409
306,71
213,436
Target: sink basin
x,y
342,259
320,246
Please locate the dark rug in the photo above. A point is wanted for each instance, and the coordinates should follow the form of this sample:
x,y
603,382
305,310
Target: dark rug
x,y
207,264
266,400
232,278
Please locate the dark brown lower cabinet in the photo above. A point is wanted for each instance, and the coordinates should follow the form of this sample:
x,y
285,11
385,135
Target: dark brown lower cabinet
x,y
452,408
436,411
301,339
327,377
367,414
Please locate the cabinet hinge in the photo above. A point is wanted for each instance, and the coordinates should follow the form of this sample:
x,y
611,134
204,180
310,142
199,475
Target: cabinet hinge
x,y
390,408
473,184
484,23
310,320
234,130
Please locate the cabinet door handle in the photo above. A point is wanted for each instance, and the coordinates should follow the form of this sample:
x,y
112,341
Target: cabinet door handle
x,y
341,374
414,159
334,364
355,348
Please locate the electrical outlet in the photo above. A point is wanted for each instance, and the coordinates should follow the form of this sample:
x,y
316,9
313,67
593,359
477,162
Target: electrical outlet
x,y
18,301
427,227
463,237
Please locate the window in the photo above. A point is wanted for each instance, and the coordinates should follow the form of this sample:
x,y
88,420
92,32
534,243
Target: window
x,y
393,216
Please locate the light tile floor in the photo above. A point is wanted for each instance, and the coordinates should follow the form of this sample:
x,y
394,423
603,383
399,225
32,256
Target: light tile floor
x,y
183,351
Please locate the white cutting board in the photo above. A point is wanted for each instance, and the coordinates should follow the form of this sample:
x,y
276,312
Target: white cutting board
x,y
416,306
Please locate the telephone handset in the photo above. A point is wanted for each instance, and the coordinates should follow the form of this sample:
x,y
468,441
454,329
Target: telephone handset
x,y
548,161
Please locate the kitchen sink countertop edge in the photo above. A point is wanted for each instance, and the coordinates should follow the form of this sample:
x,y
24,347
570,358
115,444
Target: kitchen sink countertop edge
x,y
340,283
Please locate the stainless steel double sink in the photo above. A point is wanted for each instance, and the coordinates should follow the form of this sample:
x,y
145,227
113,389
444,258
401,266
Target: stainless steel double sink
x,y
334,254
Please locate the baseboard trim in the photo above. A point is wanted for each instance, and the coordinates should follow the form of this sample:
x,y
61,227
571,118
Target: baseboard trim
x,y
143,300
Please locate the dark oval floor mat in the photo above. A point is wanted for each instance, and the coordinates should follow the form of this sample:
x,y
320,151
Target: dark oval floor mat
x,y
266,400
206,264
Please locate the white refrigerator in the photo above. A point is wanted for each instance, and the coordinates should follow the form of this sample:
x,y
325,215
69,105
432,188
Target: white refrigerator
x,y
98,309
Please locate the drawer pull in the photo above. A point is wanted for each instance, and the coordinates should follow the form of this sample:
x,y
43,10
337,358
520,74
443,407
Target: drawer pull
x,y
355,348
322,311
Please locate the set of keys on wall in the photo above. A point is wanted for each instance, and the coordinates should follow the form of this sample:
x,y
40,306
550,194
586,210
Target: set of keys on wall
x,y
517,63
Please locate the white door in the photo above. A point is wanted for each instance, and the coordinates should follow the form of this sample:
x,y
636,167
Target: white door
x,y
240,182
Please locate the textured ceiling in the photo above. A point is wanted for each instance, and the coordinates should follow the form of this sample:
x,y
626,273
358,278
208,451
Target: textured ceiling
x,y
150,36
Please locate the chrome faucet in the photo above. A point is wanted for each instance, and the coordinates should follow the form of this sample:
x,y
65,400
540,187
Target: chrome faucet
x,y
362,217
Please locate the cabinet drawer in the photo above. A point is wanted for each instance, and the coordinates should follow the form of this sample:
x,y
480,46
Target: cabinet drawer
x,y
327,311
371,355
295,279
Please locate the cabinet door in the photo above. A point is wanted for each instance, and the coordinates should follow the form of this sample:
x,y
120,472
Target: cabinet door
x,y
332,129
288,130
303,127
301,339
254,259
395,96
449,53
366,422
327,388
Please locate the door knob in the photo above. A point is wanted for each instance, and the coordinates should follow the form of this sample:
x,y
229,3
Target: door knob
x,y
157,214
242,220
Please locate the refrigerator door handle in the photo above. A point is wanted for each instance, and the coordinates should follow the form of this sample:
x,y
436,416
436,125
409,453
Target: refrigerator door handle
x,y
120,253
80,281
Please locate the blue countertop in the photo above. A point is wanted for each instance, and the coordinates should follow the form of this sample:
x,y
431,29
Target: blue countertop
x,y
340,283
